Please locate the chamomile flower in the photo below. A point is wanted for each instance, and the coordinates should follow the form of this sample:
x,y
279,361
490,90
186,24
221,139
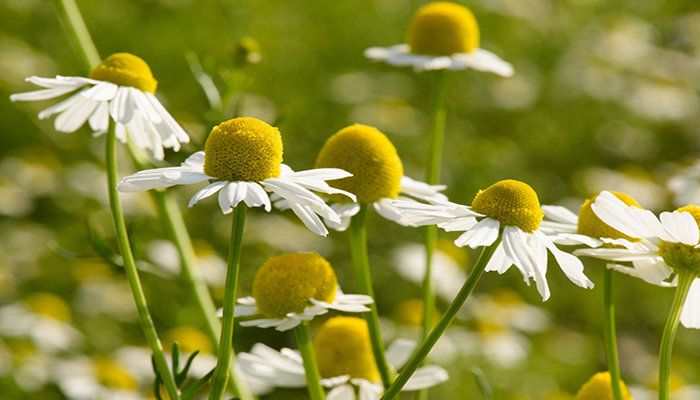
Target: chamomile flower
x,y
510,208
243,161
121,86
377,175
670,246
296,287
442,35
345,362
599,387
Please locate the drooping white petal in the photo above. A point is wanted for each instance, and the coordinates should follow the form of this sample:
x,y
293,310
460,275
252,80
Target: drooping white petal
x,y
60,107
206,192
142,104
232,194
43,94
483,233
517,248
345,211
291,191
103,91
309,218
386,209
458,224
681,226
421,190
121,108
652,270
483,60
426,377
690,316
560,214
99,120
168,120
570,264
314,179
344,392
630,220
246,301
573,239
245,311
270,366
499,261
257,196
288,323
74,117
190,171
399,351
263,322
615,254
335,381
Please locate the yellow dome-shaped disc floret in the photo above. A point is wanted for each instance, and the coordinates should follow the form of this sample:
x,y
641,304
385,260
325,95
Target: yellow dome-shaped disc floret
x,y
512,203
590,225
442,29
599,387
243,149
370,157
342,347
49,305
125,69
285,284
679,256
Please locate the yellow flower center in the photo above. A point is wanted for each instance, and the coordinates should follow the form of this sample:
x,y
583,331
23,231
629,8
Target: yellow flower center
x,y
512,203
442,29
679,256
189,339
370,157
342,347
243,149
590,225
125,69
285,284
599,387
49,305
113,375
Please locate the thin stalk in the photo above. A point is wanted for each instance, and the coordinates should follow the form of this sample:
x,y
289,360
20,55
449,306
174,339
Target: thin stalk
x,y
438,117
419,355
609,334
360,262
302,334
685,279
221,372
73,22
132,276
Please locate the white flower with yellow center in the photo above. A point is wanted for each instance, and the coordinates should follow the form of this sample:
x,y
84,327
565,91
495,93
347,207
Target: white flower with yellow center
x,y
296,287
102,377
345,361
377,175
121,86
510,208
670,245
243,161
442,35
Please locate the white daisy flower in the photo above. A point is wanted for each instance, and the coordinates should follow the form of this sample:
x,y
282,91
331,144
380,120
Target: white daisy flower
x,y
243,162
442,35
377,175
293,288
345,361
510,208
671,244
121,86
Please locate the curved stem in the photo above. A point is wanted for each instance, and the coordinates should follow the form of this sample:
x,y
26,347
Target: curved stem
x,y
360,262
609,334
221,372
302,334
132,275
419,355
685,279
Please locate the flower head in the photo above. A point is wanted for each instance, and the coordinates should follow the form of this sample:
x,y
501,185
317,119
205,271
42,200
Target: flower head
x,y
371,159
121,87
342,347
512,203
442,29
590,225
296,287
599,387
243,161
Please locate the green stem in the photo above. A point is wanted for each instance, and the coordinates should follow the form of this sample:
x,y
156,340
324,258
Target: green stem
x,y
221,372
450,314
438,117
360,262
609,334
302,334
73,22
130,267
685,279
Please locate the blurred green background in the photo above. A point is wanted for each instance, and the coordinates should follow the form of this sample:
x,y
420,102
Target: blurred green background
x,y
605,96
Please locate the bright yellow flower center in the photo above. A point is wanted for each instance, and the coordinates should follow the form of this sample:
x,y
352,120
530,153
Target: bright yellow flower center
x,y
189,339
342,347
243,149
512,203
285,284
442,29
679,256
590,225
49,305
599,387
125,69
370,157
113,375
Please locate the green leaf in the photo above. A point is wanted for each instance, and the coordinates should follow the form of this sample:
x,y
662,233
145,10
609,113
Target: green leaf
x,y
182,375
482,382
192,390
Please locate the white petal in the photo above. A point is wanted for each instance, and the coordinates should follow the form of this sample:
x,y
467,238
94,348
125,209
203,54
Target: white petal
x,y
483,60
245,311
74,117
483,233
426,377
232,194
398,352
629,220
122,107
165,177
651,270
103,91
246,301
353,298
288,324
570,264
344,392
99,120
142,104
560,214
420,190
263,322
60,107
368,390
168,120
615,254
690,316
206,192
257,196
386,209
499,261
681,226
291,191
335,381
43,94
458,224
309,218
